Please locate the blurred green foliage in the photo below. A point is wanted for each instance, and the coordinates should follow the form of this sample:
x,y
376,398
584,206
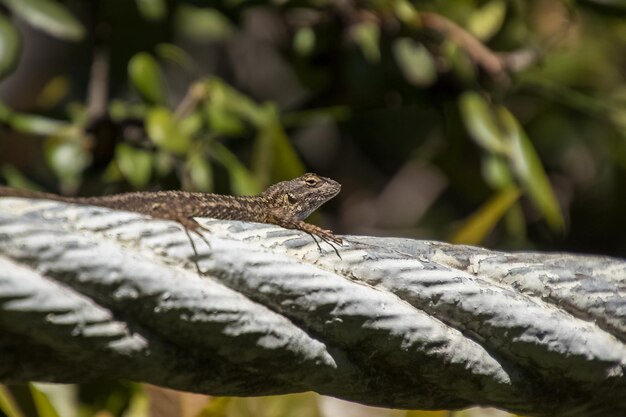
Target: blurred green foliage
x,y
236,95
134,400
492,122
228,98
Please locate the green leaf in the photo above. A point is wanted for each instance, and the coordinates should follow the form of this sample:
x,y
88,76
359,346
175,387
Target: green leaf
x,y
122,109
200,172
273,156
39,125
241,180
145,75
216,407
203,24
529,170
234,102
514,222
153,10
496,172
10,46
135,164
222,121
481,123
178,55
5,112
42,403
479,224
15,179
67,158
139,404
459,62
304,41
56,89
7,404
49,16
405,11
163,163
112,173
416,63
367,36
190,125
166,132
487,20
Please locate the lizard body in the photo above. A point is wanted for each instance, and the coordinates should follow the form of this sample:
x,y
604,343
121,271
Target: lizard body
x,y
285,204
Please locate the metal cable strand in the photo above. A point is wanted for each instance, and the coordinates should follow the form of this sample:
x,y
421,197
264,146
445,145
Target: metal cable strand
x,y
88,292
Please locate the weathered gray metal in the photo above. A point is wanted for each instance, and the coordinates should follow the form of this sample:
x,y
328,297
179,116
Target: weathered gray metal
x,y
87,292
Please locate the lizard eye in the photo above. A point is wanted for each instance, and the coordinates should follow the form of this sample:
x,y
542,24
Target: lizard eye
x,y
291,198
311,182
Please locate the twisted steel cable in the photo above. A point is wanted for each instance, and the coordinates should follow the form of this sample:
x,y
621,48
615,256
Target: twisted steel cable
x,y
87,292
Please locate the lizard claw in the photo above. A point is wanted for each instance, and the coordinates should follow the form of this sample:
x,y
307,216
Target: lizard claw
x,y
327,236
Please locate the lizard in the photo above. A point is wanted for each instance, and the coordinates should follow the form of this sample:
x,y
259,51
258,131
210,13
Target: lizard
x,y
285,204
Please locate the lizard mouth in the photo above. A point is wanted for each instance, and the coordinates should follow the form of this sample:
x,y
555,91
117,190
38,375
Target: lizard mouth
x,y
333,187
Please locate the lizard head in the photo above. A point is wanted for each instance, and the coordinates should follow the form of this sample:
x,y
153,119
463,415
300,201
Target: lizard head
x,y
301,196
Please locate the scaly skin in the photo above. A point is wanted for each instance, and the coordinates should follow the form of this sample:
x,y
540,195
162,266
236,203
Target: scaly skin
x,y
285,204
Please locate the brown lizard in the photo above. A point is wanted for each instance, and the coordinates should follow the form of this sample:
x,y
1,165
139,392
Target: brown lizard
x,y
285,204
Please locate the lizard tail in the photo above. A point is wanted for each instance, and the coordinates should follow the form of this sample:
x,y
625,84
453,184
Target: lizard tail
x,y
16,192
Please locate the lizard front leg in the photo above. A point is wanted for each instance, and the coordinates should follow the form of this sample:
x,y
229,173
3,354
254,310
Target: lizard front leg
x,y
292,223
